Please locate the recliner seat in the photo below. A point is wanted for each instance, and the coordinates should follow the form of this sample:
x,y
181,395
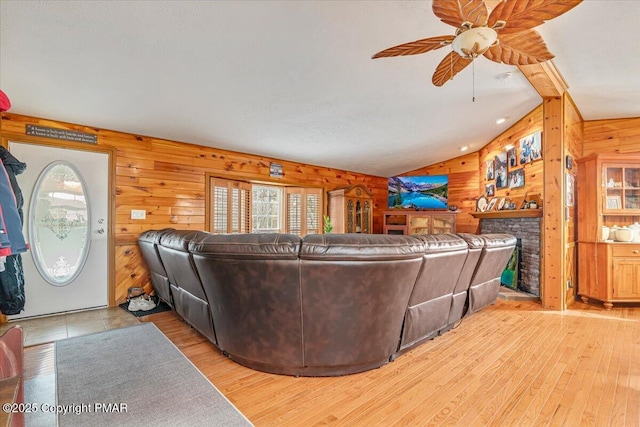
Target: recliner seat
x,y
252,281
485,283
432,296
148,242
459,303
355,291
189,298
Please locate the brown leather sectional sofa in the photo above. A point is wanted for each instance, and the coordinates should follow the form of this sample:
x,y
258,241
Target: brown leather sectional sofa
x,y
323,305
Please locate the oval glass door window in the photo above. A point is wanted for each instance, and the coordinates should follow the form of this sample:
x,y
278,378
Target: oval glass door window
x,y
59,223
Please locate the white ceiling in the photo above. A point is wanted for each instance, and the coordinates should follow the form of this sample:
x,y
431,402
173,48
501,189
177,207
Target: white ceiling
x,y
295,80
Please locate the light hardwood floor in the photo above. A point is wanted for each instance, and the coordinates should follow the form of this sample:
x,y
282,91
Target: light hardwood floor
x,y
511,364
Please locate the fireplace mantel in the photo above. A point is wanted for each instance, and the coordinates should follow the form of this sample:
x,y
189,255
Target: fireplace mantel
x,y
521,213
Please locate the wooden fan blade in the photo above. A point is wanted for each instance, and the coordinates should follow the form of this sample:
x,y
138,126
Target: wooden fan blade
x,y
451,65
418,46
455,12
522,15
523,48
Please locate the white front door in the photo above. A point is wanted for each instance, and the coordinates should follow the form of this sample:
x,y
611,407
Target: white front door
x,y
66,217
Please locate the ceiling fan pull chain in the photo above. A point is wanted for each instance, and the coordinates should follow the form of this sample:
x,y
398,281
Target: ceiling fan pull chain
x,y
473,79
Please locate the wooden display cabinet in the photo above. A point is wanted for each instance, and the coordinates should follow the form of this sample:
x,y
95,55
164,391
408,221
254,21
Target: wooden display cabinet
x,y
419,222
608,194
351,209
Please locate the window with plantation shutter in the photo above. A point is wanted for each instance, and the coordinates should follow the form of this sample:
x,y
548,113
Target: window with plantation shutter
x,y
242,207
304,210
294,213
313,210
220,215
229,210
241,210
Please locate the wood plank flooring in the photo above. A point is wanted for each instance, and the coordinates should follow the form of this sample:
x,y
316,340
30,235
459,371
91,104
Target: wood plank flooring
x,y
512,364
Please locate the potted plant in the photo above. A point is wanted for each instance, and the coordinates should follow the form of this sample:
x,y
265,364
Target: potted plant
x,y
327,224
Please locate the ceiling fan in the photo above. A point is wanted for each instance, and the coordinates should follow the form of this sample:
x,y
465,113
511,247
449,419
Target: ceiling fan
x,y
505,35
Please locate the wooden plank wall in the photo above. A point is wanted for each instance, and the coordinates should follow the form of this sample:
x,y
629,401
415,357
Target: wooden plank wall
x,y
463,187
611,136
167,180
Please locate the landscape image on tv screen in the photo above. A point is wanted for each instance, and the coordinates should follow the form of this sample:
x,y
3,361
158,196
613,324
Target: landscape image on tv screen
x,y
419,192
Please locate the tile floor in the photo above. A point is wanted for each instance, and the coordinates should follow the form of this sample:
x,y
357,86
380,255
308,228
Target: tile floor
x,y
51,328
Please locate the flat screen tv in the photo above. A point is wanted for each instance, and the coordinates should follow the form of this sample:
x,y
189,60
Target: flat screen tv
x,y
419,192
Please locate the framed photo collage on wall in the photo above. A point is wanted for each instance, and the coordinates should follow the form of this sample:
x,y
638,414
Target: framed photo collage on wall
x,y
506,170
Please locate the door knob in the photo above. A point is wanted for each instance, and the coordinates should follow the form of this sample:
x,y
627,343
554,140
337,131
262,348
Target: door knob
x,y
100,231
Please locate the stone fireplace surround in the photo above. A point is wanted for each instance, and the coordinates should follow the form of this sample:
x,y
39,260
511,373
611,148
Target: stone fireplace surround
x,y
528,229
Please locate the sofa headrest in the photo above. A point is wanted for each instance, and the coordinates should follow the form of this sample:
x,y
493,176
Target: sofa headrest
x,y
247,246
153,236
370,247
498,240
473,240
441,242
179,239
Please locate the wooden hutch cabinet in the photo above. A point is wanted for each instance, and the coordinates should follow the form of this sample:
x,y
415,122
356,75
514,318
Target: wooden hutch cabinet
x,y
351,209
608,194
418,222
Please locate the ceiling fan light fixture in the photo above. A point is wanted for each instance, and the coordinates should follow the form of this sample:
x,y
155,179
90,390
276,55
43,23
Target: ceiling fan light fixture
x,y
474,42
477,23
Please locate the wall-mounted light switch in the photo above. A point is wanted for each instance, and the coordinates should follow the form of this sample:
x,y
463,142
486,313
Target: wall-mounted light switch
x,y
138,214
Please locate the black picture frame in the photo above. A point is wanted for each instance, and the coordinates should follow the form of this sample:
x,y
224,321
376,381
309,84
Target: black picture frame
x,y
490,190
516,178
490,172
512,158
500,169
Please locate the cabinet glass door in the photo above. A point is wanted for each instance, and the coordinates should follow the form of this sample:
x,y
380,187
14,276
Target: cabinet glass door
x,y
443,224
420,225
366,215
358,216
613,185
622,185
631,186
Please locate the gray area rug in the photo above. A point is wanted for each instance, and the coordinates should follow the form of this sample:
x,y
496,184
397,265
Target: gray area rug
x,y
135,376
40,390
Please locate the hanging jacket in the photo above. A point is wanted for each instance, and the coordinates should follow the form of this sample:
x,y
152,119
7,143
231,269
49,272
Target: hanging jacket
x,y
10,221
14,167
12,297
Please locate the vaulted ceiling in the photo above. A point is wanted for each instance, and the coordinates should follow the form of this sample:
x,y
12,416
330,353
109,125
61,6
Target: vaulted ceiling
x,y
295,80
